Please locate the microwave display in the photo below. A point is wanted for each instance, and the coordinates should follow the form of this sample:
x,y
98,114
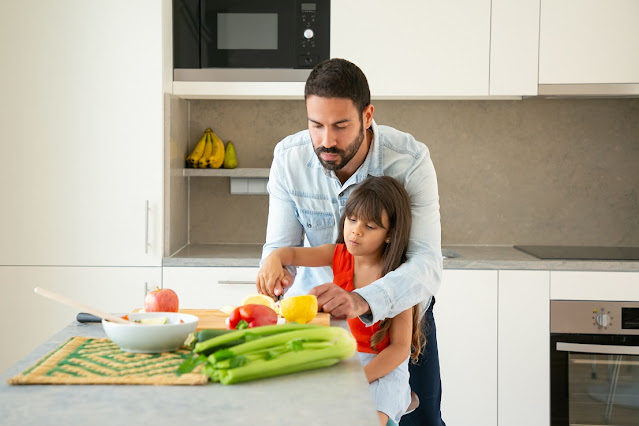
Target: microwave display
x,y
247,31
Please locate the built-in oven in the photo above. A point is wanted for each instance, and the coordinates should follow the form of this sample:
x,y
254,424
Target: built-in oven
x,y
249,40
594,363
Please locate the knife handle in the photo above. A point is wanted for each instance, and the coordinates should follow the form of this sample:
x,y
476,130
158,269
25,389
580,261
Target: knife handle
x,y
85,317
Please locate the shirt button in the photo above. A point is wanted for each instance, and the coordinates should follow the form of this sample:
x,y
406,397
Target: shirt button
x,y
308,225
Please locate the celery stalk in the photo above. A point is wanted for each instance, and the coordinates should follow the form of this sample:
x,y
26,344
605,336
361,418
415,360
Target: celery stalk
x,y
313,334
259,370
264,330
325,347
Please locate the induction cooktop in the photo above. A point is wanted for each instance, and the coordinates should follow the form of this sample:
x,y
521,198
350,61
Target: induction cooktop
x,y
582,252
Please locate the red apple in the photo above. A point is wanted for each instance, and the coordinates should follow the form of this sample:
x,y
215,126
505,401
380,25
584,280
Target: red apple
x,y
161,300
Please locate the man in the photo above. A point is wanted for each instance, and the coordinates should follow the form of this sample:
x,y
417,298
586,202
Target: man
x,y
312,175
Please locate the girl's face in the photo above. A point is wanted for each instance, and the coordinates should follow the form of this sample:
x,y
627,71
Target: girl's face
x,y
365,238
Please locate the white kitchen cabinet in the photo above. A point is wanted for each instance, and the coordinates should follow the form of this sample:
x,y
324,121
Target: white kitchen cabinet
x,y
81,115
514,47
27,319
589,42
210,287
413,48
523,354
594,285
407,49
466,316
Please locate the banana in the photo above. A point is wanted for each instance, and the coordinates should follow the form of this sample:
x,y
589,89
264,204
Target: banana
x,y
216,157
195,156
208,148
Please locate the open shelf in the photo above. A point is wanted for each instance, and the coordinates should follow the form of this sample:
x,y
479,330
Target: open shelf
x,y
246,172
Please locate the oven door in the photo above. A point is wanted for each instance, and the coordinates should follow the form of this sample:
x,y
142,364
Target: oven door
x,y
248,34
594,379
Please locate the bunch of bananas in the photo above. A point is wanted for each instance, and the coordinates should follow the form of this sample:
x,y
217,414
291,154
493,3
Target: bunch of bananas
x,y
210,153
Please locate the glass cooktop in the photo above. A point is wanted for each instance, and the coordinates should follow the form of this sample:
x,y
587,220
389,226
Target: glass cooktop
x,y
582,252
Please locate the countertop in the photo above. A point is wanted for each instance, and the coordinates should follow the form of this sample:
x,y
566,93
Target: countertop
x,y
333,395
458,257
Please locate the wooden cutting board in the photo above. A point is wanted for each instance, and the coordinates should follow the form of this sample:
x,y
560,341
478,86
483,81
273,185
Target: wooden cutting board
x,y
214,318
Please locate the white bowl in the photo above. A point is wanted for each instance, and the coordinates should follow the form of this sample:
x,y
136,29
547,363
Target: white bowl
x,y
151,338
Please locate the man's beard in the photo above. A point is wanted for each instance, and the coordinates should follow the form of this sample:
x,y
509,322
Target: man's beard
x,y
345,155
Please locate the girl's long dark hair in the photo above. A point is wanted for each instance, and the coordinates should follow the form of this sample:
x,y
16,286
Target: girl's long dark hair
x,y
368,202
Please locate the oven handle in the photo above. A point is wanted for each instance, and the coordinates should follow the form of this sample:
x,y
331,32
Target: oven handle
x,y
598,349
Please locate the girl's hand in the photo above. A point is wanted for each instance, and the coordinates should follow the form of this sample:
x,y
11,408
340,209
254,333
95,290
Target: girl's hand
x,y
272,277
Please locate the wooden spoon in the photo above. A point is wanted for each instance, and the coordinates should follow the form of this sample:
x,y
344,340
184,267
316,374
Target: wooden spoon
x,y
82,307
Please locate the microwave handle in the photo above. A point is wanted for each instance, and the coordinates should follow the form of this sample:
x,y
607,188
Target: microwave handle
x,y
598,349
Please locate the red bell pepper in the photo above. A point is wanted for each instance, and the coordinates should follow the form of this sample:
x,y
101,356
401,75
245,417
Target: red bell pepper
x,y
251,315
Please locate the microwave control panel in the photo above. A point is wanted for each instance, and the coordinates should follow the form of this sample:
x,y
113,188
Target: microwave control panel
x,y
312,38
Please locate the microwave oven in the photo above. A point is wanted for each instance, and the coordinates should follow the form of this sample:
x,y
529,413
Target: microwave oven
x,y
249,40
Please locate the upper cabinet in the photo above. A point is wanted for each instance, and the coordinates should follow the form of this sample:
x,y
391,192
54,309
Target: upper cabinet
x,y
589,42
412,49
82,133
514,47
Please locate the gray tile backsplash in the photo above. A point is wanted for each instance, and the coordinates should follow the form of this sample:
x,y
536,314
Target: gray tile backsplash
x,y
535,171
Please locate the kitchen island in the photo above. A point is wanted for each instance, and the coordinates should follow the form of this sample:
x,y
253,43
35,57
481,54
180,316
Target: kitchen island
x,y
333,395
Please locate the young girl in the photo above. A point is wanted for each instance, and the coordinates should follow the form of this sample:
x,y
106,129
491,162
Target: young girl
x,y
372,241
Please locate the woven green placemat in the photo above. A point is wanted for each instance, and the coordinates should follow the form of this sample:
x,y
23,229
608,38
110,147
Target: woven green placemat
x,y
88,361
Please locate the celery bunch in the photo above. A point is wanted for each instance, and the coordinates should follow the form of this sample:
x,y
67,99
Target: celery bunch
x,y
268,351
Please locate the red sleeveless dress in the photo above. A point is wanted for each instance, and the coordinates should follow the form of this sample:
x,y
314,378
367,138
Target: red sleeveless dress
x,y
343,268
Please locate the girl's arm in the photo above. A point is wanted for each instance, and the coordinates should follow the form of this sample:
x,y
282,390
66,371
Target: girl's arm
x,y
272,270
400,332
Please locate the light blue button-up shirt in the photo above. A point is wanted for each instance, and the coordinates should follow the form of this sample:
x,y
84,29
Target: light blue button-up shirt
x,y
306,202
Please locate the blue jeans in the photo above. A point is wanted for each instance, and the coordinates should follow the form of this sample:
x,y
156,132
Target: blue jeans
x,y
425,380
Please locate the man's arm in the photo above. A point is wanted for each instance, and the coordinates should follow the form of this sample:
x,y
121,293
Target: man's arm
x,y
420,276
282,228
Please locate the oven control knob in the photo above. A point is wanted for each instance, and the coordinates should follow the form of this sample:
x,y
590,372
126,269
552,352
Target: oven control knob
x,y
308,33
602,320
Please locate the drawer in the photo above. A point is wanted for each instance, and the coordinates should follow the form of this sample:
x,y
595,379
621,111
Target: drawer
x,y
210,287
594,285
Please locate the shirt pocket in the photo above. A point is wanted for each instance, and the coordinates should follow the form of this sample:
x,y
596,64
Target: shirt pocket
x,y
318,226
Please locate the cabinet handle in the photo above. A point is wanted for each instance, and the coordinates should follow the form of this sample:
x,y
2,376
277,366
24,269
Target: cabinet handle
x,y
146,227
236,282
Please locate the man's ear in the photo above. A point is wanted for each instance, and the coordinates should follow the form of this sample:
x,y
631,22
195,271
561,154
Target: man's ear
x,y
367,116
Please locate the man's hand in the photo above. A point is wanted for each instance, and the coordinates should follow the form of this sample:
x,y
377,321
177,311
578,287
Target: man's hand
x,y
273,284
338,302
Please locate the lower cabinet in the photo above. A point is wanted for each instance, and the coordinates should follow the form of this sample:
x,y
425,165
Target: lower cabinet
x,y
210,287
523,350
466,317
27,320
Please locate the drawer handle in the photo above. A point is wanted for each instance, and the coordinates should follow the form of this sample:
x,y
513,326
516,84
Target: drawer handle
x,y
236,282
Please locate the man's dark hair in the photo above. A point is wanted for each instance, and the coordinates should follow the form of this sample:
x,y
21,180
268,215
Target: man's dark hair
x,y
339,78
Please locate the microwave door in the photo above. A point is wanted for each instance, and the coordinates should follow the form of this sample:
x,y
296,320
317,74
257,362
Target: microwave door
x,y
247,34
